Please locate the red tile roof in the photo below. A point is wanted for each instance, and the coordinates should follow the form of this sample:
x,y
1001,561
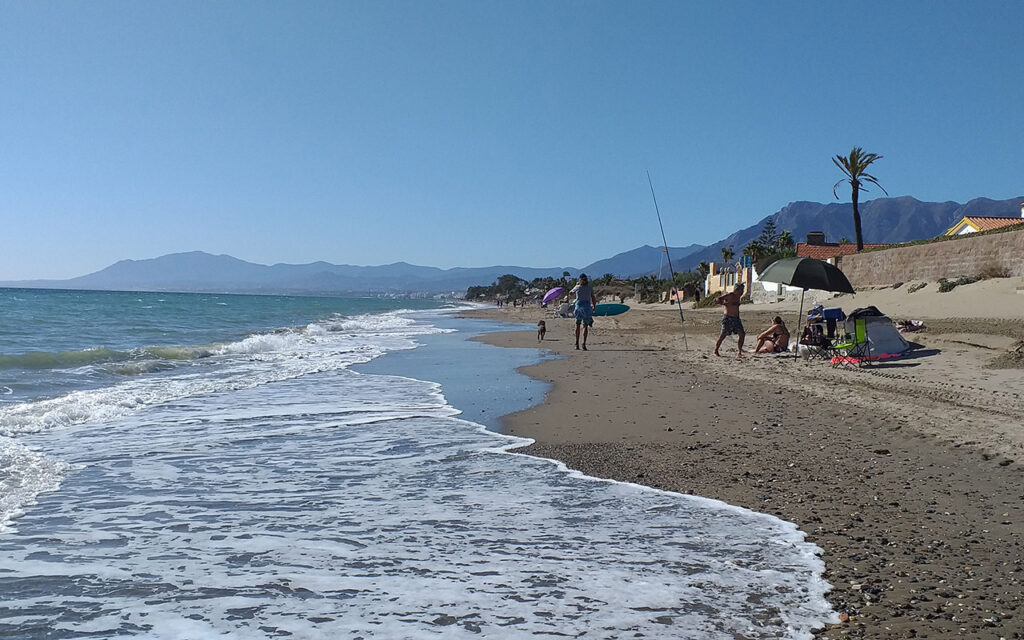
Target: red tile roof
x,y
829,250
986,223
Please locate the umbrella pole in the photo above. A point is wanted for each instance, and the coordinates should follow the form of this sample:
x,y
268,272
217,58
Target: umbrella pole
x,y
799,322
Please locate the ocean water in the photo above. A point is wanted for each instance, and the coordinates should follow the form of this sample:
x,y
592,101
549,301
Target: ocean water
x,y
195,466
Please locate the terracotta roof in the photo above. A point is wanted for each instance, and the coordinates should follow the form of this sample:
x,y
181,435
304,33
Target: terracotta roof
x,y
829,250
986,223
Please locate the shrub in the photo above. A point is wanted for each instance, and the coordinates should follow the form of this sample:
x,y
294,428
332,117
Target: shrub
x,y
916,287
707,301
897,285
949,285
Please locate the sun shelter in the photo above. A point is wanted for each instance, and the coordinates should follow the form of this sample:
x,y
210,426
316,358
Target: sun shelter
x,y
806,273
884,341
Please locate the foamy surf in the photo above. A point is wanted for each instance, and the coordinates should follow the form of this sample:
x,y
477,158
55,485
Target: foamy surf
x,y
257,360
325,503
288,510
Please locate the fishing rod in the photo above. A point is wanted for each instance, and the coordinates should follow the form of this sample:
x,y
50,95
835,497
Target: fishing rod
x,y
679,301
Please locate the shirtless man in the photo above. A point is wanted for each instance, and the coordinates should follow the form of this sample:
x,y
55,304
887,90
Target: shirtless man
x,y
731,319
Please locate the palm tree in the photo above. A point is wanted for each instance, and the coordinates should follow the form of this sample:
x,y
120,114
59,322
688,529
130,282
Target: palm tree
x,y
755,250
855,167
785,242
727,254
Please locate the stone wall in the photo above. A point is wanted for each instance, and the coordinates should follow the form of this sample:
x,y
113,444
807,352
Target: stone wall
x,y
970,255
762,293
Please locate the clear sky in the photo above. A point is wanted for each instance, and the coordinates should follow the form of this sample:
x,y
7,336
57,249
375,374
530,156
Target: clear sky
x,y
479,132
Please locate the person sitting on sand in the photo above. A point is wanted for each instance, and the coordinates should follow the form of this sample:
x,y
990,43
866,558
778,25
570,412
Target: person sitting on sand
x,y
731,317
775,339
584,308
813,336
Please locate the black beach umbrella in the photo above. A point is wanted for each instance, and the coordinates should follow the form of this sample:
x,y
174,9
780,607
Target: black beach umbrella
x,y
806,273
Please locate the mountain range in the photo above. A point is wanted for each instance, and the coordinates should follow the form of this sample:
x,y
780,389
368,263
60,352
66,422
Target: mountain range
x,y
884,220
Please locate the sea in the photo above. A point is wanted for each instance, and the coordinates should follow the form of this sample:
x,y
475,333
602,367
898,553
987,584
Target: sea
x,y
194,466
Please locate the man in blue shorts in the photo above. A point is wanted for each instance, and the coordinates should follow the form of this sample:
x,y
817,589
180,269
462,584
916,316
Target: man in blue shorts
x,y
584,308
731,317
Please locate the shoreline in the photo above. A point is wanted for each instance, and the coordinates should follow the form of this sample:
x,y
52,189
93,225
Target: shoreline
x,y
906,475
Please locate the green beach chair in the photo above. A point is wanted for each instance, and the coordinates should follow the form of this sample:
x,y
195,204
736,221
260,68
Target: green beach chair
x,y
854,350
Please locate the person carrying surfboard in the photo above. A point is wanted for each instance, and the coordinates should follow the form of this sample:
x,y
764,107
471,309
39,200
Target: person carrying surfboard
x,y
584,308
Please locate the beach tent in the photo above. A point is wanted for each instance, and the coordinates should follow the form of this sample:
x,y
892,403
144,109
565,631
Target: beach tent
x,y
883,338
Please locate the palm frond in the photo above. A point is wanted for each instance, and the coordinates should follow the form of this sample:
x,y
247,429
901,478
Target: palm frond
x,y
836,186
843,165
871,179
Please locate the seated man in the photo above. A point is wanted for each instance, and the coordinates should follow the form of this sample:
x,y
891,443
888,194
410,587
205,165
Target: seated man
x,y
775,339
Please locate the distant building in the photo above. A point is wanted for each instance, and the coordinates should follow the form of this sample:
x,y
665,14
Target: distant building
x,y
974,224
723,277
816,247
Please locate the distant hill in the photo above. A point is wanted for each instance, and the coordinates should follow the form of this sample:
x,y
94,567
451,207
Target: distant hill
x,y
885,220
200,271
641,261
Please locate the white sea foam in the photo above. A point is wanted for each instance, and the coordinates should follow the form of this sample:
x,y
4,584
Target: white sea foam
x,y
242,497
345,505
24,474
255,361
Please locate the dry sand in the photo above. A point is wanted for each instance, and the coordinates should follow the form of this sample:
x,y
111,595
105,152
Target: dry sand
x,y
906,473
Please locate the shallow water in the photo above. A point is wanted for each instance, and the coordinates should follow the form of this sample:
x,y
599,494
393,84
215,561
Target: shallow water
x,y
280,492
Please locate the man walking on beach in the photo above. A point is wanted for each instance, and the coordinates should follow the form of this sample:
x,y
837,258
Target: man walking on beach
x,y
586,301
731,319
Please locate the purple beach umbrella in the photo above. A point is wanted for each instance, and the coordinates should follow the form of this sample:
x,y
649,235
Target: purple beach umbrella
x,y
553,294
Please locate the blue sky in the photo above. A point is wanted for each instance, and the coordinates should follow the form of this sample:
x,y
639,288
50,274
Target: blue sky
x,y
478,132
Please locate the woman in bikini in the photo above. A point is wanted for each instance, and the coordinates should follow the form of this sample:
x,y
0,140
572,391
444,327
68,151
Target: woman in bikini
x,y
775,339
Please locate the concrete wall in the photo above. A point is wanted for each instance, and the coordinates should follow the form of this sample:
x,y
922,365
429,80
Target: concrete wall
x,y
761,293
970,255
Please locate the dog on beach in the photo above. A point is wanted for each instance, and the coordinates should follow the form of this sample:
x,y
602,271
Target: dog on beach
x,y
541,330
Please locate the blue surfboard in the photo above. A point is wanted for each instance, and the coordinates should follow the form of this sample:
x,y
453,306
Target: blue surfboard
x,y
610,309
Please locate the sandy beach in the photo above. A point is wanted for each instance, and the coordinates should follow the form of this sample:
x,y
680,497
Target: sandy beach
x,y
906,473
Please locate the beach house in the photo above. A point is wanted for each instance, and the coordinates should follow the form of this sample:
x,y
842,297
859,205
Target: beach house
x,y
974,224
818,248
723,277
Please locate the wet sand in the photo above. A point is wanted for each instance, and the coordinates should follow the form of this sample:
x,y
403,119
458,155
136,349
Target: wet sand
x,y
907,473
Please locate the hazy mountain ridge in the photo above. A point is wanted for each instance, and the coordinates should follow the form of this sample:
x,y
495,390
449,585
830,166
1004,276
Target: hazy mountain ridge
x,y
884,220
887,220
201,271
641,261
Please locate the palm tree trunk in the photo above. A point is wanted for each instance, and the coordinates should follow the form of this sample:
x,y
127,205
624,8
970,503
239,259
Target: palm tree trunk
x,y
856,218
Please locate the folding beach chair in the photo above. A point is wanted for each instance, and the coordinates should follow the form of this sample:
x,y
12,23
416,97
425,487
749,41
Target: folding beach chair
x,y
856,350
813,344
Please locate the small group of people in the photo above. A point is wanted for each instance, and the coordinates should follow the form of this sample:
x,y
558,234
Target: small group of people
x,y
774,339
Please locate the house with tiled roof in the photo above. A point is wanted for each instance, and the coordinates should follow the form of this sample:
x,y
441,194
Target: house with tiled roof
x,y
974,224
816,247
